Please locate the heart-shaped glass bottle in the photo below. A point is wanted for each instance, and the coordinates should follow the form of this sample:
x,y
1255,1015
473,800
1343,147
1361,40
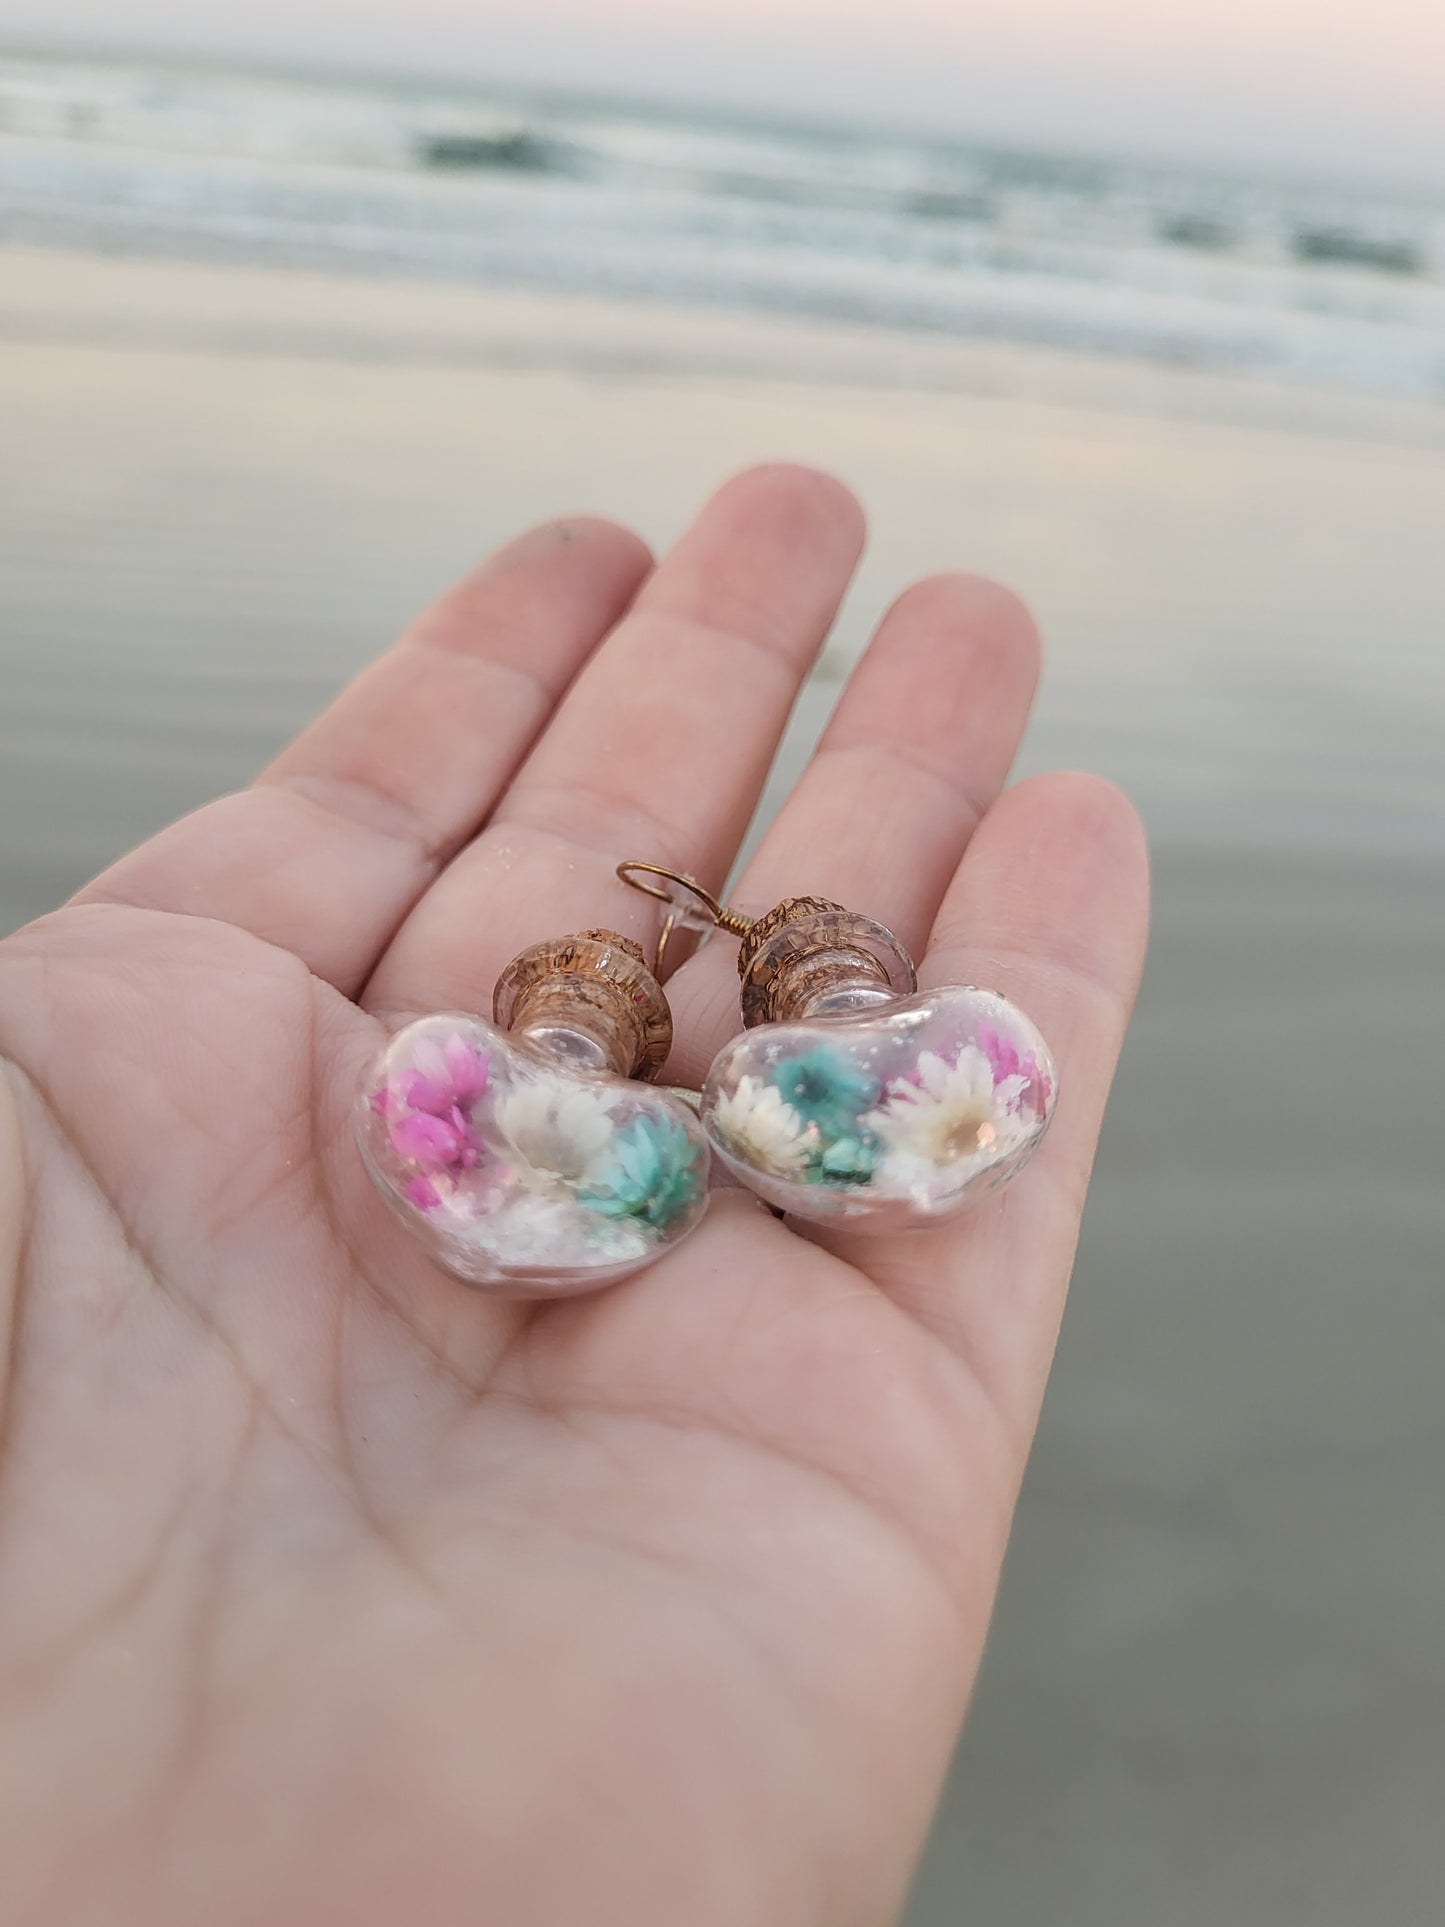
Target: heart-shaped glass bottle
x,y
526,1159
855,1098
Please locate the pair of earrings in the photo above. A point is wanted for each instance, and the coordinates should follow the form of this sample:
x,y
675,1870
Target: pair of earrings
x,y
533,1156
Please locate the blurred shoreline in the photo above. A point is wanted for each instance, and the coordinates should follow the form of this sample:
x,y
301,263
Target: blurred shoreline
x,y
77,296
1317,283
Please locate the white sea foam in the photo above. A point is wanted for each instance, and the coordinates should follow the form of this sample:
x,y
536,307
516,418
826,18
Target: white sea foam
x,y
1299,282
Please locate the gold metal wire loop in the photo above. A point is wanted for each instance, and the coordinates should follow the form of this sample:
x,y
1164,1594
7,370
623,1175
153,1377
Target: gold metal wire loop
x,y
704,913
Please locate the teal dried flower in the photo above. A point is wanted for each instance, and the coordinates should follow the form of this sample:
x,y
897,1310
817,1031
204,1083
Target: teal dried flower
x,y
652,1175
826,1087
829,1090
847,1160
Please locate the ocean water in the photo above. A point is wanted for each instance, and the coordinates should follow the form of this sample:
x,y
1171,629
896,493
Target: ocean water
x,y
1296,281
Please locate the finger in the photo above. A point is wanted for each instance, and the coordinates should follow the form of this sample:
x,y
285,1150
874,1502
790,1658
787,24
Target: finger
x,y
924,734
334,842
1051,907
660,748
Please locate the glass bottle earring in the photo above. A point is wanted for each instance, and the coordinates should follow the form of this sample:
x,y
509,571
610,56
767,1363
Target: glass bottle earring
x,y
852,1097
529,1155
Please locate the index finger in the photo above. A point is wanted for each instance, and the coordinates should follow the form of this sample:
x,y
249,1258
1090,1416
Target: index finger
x,y
332,844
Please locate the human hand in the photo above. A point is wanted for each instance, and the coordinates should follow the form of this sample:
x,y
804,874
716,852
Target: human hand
x,y
332,1592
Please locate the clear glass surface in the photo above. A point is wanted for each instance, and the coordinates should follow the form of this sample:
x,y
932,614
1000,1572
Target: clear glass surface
x,y
521,1173
884,1120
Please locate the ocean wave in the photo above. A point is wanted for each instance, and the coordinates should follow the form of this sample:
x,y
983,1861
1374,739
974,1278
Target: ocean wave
x,y
1169,265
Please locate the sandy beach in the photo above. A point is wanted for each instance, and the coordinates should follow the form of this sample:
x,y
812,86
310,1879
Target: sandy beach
x,y
1216,1685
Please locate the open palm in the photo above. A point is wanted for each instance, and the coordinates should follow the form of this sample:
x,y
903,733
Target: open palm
x,y
331,1591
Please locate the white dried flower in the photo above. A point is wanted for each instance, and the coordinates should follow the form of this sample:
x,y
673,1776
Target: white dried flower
x,y
555,1132
756,1122
950,1113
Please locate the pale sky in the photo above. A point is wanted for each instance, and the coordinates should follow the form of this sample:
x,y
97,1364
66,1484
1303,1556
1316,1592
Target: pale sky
x,y
1354,88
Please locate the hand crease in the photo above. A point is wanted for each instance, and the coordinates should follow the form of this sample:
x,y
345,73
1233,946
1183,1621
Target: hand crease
x,y
188,1748
339,796
907,756
691,631
623,820
919,1545
372,1518
180,1301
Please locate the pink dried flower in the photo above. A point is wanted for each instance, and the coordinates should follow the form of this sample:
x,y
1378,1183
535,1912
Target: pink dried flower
x,y
431,1142
428,1106
443,1075
423,1194
1002,1053
414,1091
470,1069
1007,1060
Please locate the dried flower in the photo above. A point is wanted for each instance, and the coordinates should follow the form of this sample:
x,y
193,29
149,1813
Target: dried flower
x,y
555,1132
847,1160
428,1106
825,1086
950,1113
756,1122
653,1175
1006,1060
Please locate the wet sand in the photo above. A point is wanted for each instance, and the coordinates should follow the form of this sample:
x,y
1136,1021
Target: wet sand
x,y
1216,1686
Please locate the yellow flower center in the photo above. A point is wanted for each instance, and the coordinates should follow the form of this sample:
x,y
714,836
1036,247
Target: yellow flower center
x,y
965,1135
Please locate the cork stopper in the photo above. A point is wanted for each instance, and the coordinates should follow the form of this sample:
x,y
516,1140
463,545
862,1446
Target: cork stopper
x,y
808,958
590,1000
790,910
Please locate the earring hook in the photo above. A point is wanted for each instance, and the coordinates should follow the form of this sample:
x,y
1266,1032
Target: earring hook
x,y
696,909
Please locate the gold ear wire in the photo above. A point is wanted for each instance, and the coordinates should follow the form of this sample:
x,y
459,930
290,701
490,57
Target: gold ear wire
x,y
703,912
